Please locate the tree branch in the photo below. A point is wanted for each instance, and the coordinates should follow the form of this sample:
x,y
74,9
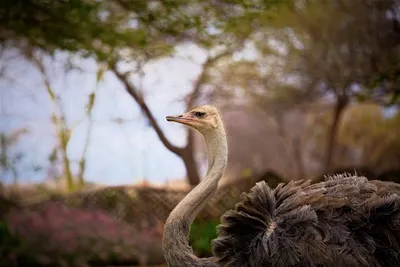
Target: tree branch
x,y
200,80
130,88
193,96
59,122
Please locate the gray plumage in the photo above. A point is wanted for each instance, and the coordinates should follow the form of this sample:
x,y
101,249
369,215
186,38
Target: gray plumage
x,y
344,221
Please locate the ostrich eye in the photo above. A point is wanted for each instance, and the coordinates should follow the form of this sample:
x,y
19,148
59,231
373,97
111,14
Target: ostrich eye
x,y
199,114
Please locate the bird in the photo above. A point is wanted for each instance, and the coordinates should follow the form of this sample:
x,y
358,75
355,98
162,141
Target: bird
x,y
345,220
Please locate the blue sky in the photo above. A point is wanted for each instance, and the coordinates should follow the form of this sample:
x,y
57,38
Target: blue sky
x,y
118,154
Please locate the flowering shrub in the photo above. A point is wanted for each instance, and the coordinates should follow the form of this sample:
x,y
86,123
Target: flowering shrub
x,y
57,235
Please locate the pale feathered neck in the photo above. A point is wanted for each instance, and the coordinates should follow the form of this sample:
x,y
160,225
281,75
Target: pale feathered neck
x,y
176,231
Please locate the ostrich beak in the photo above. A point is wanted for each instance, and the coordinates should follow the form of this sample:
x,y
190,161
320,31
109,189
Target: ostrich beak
x,y
184,118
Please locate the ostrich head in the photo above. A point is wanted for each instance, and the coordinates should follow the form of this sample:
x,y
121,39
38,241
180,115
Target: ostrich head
x,y
204,119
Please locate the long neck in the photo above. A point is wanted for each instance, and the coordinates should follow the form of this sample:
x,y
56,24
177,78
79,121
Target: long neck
x,y
176,231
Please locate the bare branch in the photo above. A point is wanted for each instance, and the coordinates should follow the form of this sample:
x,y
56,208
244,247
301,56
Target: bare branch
x,y
59,122
191,99
89,113
132,90
193,96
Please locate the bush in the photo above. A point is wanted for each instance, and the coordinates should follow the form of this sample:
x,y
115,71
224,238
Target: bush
x,y
57,235
9,244
202,232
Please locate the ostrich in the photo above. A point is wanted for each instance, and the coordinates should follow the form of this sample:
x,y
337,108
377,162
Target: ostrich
x,y
344,221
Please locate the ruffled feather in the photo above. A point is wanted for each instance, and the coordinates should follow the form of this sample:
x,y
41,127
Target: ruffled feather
x,y
343,221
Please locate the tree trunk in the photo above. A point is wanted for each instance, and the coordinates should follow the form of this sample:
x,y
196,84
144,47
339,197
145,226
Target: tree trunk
x,y
298,158
15,175
186,153
280,124
293,147
82,168
341,104
67,167
59,123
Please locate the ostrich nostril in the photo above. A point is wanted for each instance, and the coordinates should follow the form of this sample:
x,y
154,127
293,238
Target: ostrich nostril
x,y
180,116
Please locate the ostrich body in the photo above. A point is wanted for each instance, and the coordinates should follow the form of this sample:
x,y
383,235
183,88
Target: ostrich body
x,y
344,221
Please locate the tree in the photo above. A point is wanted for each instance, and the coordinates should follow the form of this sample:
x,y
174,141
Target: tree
x,y
366,138
268,98
8,158
58,117
135,33
186,153
59,120
339,46
335,51
371,133
221,46
89,113
315,54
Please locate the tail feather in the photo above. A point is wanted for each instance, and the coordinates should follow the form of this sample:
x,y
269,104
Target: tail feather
x,y
384,216
260,228
344,221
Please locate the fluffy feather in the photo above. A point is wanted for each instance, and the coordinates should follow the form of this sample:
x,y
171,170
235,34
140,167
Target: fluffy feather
x,y
343,221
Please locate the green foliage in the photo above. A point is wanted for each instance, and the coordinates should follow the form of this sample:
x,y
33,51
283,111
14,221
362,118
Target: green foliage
x,y
104,28
8,158
374,134
364,131
44,23
10,247
7,240
133,32
201,235
247,172
385,87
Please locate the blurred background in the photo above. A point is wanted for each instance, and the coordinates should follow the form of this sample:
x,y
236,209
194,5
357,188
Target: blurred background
x,y
90,169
